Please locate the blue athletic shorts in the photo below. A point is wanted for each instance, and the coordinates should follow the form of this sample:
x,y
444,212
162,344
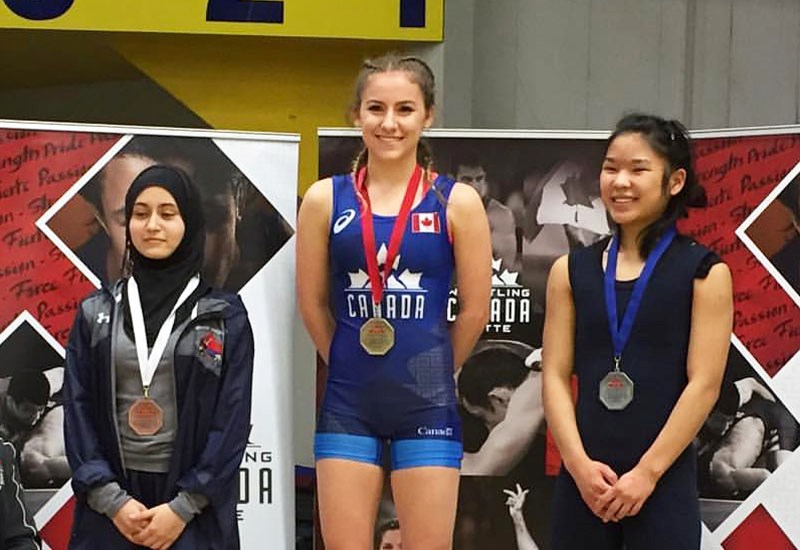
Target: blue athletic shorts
x,y
432,438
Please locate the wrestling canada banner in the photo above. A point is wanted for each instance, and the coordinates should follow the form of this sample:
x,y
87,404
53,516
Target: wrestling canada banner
x,y
62,235
541,193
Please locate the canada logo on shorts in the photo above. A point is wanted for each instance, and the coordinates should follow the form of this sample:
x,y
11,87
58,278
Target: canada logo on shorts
x,y
425,223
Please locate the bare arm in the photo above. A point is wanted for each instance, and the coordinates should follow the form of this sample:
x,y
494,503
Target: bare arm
x,y
592,477
472,248
709,341
510,439
313,223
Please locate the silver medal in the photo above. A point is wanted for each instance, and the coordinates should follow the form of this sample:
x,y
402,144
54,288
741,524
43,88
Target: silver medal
x,y
616,390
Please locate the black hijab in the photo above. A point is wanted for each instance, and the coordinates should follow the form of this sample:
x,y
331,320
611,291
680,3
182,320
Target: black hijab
x,y
162,281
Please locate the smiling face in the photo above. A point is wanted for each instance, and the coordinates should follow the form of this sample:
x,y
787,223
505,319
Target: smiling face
x,y
392,115
156,225
633,185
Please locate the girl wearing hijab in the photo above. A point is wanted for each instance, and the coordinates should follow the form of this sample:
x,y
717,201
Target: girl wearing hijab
x,y
157,387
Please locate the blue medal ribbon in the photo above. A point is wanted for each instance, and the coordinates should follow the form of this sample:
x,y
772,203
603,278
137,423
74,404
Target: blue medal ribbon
x,y
621,334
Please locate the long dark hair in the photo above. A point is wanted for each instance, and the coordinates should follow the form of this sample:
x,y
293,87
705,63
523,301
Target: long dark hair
x,y
420,74
670,140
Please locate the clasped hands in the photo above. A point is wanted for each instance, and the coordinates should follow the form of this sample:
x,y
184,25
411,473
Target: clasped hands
x,y
611,497
155,528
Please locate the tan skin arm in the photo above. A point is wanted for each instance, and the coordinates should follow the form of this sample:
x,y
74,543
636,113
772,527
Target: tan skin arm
x,y
709,341
592,477
472,247
312,279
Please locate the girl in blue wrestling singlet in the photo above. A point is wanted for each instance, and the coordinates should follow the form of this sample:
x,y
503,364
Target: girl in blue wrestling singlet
x,y
376,252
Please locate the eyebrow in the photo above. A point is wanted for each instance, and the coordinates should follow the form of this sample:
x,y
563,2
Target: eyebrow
x,y
633,161
159,205
402,102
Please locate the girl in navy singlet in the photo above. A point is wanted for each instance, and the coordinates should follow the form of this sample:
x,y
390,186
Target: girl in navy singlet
x,y
643,320
376,253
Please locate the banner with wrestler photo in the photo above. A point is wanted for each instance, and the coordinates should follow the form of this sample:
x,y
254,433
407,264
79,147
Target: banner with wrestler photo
x,y
541,194
62,231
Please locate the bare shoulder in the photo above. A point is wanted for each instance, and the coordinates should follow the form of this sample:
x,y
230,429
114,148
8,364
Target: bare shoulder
x,y
559,273
719,281
464,203
317,202
320,193
464,195
720,272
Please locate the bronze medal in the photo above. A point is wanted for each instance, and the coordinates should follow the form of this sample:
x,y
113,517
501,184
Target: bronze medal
x,y
145,417
616,390
377,336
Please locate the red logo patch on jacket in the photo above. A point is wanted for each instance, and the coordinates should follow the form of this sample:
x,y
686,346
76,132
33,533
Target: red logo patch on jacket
x,y
212,346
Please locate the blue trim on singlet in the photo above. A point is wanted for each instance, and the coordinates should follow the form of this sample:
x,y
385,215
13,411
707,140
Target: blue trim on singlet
x,y
347,446
406,453
415,453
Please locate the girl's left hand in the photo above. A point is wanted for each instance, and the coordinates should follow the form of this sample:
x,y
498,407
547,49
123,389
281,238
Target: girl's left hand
x,y
627,496
164,528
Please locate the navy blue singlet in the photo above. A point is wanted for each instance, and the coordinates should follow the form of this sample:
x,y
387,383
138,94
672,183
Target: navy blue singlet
x,y
655,359
408,395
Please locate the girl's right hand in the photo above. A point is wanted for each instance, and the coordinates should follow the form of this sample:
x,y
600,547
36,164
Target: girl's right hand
x,y
124,522
593,479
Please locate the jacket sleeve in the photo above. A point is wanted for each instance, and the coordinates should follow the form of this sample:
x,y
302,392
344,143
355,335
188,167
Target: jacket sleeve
x,y
17,529
215,471
90,467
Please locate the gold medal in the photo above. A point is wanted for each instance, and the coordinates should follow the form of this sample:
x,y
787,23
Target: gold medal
x,y
377,336
145,417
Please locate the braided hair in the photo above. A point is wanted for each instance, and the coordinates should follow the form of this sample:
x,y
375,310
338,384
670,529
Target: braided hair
x,y
419,73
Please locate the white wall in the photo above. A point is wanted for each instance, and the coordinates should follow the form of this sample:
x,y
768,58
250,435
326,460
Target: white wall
x,y
579,64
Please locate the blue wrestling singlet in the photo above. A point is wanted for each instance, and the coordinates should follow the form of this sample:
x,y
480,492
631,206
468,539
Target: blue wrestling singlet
x,y
408,395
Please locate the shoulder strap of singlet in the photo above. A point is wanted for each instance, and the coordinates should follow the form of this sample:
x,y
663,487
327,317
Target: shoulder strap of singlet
x,y
342,186
582,259
344,197
442,186
700,259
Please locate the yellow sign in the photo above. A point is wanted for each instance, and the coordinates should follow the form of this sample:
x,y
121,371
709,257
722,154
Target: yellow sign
x,y
370,19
